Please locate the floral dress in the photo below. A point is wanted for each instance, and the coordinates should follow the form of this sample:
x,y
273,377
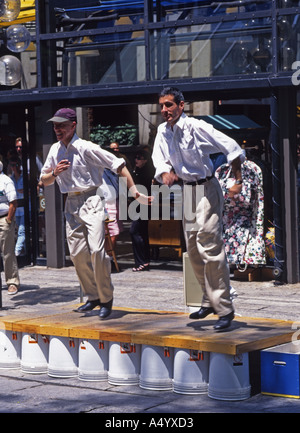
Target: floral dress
x,y
243,217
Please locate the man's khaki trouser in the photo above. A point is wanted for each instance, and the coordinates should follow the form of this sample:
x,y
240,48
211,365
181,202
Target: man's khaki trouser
x,y
205,246
86,235
7,247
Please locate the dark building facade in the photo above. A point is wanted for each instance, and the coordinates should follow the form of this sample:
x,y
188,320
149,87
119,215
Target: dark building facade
x,y
236,62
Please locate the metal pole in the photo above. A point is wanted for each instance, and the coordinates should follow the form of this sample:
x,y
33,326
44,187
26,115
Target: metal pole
x,y
277,179
1,268
0,291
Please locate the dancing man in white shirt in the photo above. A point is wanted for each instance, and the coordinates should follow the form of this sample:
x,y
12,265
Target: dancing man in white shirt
x,y
77,166
181,152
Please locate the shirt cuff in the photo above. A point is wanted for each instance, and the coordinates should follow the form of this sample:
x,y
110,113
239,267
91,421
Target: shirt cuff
x,y
117,164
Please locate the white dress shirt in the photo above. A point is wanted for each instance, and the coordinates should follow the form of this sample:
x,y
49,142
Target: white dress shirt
x,y
88,162
186,148
7,193
19,185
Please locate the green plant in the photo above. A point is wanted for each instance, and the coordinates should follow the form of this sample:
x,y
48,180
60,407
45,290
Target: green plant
x,y
124,134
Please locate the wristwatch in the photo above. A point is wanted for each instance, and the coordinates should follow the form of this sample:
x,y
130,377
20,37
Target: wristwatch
x,y
239,182
54,175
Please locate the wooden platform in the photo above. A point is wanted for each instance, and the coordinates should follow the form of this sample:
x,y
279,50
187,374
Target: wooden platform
x,y
158,328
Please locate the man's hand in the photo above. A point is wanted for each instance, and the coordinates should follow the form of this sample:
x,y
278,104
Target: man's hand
x,y
63,165
144,199
49,178
169,178
141,198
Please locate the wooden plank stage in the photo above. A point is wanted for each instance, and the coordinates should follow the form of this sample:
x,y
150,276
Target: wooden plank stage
x,y
154,327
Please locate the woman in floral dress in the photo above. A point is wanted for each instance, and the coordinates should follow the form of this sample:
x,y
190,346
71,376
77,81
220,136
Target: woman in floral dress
x,y
243,218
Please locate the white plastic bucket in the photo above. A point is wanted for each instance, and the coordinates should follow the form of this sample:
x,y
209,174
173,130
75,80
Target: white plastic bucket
x,y
229,377
191,369
10,349
93,360
63,357
34,354
156,368
124,363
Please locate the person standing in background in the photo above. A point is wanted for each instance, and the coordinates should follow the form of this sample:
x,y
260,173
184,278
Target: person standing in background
x,y
115,148
19,150
8,205
142,174
17,178
110,190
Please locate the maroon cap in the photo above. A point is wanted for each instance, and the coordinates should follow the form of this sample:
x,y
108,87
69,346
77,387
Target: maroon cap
x,y
64,114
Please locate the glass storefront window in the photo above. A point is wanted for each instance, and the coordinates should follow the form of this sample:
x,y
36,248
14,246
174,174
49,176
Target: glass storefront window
x,y
212,50
120,59
220,44
288,31
288,3
173,10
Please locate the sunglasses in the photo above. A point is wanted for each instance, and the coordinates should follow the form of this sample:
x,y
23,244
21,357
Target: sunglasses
x,y
139,158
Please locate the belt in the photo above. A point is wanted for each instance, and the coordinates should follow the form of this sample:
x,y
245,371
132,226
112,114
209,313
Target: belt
x,y
3,216
75,193
199,181
82,192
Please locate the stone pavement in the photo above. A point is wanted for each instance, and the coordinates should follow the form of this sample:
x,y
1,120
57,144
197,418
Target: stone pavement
x,y
43,289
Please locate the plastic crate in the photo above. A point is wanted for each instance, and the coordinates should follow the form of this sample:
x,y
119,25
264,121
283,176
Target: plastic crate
x,y
280,370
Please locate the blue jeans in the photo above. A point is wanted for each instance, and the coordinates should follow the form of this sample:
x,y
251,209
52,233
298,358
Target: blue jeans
x,y
20,244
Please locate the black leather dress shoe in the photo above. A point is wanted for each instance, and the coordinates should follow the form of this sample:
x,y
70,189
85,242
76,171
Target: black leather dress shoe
x,y
88,306
105,309
203,312
224,321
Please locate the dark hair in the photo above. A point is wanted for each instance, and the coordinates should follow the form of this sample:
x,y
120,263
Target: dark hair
x,y
143,153
176,93
16,160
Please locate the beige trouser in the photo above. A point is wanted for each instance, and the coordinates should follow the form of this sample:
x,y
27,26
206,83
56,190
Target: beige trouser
x,y
86,235
205,246
7,245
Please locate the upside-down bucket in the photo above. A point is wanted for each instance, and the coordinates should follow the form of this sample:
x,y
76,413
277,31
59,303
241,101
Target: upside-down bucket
x,y
93,360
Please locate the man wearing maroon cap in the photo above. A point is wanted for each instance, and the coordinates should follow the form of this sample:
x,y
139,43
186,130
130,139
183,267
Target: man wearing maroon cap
x,y
77,166
64,114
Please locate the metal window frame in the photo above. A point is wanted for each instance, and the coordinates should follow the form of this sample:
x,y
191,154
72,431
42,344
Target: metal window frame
x,y
134,92
270,84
